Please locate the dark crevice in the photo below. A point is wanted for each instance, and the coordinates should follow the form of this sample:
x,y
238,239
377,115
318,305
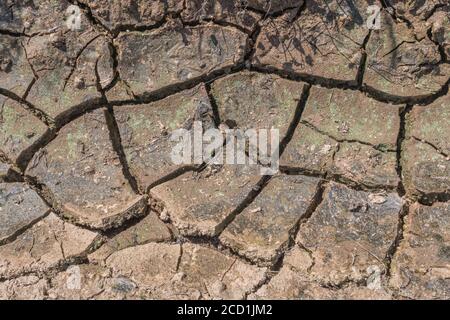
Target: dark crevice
x,y
75,62
217,22
19,232
398,238
393,99
78,110
437,149
137,28
288,170
256,190
304,77
317,200
62,264
47,120
253,38
47,196
179,258
215,107
114,57
403,112
90,16
297,117
380,148
30,86
26,155
279,261
363,63
347,282
13,33
397,46
441,49
359,185
130,223
331,177
116,140
275,14
174,174
393,12
371,92
434,10
98,83
214,242
169,90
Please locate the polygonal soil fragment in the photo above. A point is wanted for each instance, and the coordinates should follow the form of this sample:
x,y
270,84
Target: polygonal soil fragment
x,y
6,17
161,271
150,229
294,282
417,13
325,41
357,163
20,131
120,14
66,66
351,116
263,229
225,11
15,71
19,207
224,277
340,133
37,16
83,174
421,266
250,100
45,245
29,287
400,64
426,172
350,232
426,162
440,24
202,203
119,92
153,60
146,131
431,124
309,150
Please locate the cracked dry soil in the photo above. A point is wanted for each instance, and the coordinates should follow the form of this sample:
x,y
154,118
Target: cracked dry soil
x,y
91,207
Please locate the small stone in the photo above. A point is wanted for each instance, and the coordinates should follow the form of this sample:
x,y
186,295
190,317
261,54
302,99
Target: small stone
x,y
178,277
377,199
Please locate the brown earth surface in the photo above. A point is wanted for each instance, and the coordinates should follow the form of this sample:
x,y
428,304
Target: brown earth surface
x,y
91,206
